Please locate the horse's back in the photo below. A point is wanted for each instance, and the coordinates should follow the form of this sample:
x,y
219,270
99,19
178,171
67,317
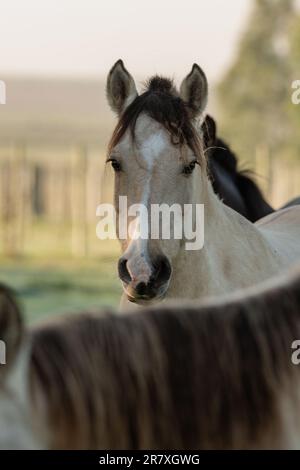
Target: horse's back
x,y
293,202
283,218
282,228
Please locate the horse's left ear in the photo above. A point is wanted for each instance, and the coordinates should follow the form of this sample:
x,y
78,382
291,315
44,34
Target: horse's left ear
x,y
194,90
120,88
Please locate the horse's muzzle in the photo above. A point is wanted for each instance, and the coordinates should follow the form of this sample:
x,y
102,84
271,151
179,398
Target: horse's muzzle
x,y
141,289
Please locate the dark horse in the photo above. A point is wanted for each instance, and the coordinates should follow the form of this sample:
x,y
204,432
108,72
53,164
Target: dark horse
x,y
235,187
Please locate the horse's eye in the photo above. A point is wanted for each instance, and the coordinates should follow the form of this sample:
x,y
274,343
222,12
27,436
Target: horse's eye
x,y
188,169
116,165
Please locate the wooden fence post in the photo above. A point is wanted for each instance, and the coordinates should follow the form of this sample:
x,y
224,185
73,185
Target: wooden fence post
x,y
79,229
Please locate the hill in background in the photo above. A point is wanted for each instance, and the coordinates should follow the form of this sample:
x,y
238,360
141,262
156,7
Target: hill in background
x,y
55,111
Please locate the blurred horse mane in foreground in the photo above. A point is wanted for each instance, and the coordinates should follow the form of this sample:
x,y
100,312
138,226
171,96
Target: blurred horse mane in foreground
x,y
213,376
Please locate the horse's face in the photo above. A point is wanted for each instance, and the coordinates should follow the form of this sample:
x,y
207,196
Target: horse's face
x,y
154,174
150,171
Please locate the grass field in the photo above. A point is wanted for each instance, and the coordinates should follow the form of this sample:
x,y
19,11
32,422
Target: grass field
x,y
50,286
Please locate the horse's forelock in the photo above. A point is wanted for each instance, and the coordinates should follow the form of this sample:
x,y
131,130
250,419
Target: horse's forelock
x,y
160,84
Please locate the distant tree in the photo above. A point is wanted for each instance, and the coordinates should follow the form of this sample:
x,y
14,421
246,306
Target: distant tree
x,y
255,95
294,110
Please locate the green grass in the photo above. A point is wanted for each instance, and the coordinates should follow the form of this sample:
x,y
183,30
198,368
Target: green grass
x,y
48,287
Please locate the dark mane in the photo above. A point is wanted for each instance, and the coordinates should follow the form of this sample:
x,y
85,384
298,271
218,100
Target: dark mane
x,y
237,188
225,156
162,103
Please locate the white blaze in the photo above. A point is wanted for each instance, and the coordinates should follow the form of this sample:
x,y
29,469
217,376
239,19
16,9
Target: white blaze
x,y
150,150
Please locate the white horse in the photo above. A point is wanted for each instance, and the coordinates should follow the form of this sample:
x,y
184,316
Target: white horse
x,y
157,154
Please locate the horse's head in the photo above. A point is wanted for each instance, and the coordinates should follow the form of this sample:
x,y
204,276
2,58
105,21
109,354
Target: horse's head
x,y
156,153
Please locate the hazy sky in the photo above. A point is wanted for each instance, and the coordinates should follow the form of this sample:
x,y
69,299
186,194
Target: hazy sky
x,y
85,37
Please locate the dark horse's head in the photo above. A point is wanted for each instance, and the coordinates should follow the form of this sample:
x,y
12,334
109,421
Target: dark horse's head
x,y
235,188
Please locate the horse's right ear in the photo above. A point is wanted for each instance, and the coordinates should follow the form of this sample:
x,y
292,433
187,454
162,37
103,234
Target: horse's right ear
x,y
120,88
194,91
11,329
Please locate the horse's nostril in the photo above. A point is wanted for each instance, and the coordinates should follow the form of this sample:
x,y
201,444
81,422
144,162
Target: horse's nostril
x,y
123,271
163,270
141,288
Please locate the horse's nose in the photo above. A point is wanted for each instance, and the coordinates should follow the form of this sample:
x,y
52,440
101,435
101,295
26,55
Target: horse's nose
x,y
158,282
139,285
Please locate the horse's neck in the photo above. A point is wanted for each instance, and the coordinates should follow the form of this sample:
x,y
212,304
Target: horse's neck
x,y
235,253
